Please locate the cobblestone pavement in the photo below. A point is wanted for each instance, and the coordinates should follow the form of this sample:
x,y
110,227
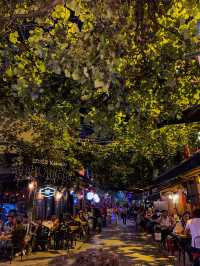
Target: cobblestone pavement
x,y
133,248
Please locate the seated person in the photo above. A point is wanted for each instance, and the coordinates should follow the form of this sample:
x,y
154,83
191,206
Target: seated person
x,y
81,218
156,215
152,222
18,236
83,223
193,228
9,224
42,236
48,223
166,223
69,220
180,226
55,222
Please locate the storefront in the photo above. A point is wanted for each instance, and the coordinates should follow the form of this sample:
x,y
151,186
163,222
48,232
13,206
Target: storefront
x,y
180,186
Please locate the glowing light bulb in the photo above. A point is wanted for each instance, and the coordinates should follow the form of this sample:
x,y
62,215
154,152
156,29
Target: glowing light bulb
x,y
96,198
90,195
31,186
58,195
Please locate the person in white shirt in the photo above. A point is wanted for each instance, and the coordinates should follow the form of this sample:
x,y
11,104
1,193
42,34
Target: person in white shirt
x,y
193,228
166,223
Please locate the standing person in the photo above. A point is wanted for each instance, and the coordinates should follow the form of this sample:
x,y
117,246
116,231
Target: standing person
x,y
18,236
116,213
109,215
124,214
104,215
90,218
193,228
97,219
26,223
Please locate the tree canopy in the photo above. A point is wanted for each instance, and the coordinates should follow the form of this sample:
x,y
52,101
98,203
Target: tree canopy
x,y
118,67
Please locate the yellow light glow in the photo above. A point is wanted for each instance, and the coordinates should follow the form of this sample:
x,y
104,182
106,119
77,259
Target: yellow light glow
x,y
58,195
174,197
32,185
39,196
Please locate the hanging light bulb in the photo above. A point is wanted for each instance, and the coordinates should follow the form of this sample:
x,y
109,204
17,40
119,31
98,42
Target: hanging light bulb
x,y
58,195
71,191
32,185
96,198
90,195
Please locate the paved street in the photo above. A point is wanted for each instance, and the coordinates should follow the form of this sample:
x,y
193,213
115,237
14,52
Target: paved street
x,y
133,249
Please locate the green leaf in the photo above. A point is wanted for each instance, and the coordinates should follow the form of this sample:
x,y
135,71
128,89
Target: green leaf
x,y
13,37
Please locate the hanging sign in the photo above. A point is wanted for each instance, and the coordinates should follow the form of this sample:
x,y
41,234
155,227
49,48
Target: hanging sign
x,y
47,191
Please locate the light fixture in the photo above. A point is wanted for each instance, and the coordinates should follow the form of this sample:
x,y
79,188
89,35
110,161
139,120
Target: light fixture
x,y
58,195
32,185
198,179
71,192
174,197
48,191
90,195
96,198
170,196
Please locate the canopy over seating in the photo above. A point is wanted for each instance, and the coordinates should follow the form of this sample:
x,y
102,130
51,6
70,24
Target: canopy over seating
x,y
176,172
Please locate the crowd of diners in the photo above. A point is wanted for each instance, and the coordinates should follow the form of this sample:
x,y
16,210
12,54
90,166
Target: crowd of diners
x,y
22,235
175,232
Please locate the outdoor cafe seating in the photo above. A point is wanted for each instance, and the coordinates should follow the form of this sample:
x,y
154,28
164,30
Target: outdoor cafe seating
x,y
41,237
174,243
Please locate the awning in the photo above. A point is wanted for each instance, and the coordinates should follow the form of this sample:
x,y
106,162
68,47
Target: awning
x,y
179,171
154,196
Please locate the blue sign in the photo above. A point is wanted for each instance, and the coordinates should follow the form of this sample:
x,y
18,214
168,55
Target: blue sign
x,y
48,191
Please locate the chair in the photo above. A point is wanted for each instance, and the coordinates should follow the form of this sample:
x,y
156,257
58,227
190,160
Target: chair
x,y
197,242
196,251
18,243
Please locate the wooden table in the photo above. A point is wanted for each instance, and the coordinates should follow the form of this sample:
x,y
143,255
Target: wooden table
x,y
5,237
73,228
